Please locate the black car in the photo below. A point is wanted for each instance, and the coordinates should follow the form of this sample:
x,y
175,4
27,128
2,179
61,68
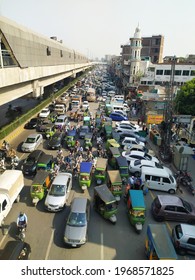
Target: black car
x,y
31,124
30,163
16,250
56,141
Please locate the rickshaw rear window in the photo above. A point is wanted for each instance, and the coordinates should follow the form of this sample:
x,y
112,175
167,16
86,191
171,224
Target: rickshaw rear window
x,y
77,219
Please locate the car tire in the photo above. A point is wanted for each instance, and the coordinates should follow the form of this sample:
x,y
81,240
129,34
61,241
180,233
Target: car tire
x,y
171,191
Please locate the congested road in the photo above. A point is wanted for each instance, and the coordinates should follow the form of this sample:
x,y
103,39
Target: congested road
x,y
105,240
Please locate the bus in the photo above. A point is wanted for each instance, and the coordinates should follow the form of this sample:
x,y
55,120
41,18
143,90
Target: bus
x,y
91,95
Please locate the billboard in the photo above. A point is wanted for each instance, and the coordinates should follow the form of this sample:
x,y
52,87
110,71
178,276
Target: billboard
x,y
154,119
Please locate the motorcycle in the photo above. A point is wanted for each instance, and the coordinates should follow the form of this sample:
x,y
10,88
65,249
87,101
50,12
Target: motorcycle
x,y
14,162
21,232
185,180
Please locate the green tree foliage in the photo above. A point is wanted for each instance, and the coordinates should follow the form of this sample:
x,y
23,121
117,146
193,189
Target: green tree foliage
x,y
184,102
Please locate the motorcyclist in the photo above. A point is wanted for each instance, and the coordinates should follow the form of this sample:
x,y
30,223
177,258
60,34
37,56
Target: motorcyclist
x,y
22,220
2,163
14,161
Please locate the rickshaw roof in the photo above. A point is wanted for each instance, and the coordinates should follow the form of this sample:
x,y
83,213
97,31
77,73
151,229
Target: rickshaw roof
x,y
114,143
114,176
45,158
161,241
101,162
71,132
85,167
114,151
88,136
137,199
105,194
86,118
122,161
40,177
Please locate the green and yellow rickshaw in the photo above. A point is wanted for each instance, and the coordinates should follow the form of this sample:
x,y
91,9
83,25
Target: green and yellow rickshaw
x,y
88,141
112,154
101,170
136,209
40,185
123,167
114,183
158,244
112,143
85,175
87,121
71,138
50,130
105,203
45,162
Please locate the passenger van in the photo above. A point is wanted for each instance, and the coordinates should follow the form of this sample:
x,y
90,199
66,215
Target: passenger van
x,y
158,179
77,224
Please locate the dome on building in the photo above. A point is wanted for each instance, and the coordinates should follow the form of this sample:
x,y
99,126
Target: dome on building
x,y
137,34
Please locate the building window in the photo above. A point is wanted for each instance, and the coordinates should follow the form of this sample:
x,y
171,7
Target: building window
x,y
61,53
159,72
186,73
48,51
177,72
192,73
167,72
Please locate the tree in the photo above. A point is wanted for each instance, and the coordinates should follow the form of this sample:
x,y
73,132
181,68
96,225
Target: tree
x,y
184,102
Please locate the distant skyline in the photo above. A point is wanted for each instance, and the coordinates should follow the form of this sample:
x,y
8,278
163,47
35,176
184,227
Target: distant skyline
x,y
99,27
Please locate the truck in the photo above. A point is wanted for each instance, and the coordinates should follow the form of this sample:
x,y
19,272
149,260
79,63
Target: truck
x,y
11,184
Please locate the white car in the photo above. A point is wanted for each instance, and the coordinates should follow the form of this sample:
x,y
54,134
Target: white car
x,y
136,165
137,127
44,113
123,113
129,141
133,155
32,142
85,105
126,128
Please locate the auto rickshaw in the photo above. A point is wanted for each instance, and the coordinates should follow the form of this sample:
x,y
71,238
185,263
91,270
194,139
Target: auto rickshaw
x,y
87,121
108,130
136,208
45,162
108,109
105,203
85,176
98,123
88,141
101,170
123,167
114,183
70,138
158,244
40,185
112,143
98,114
73,114
113,153
50,130
52,117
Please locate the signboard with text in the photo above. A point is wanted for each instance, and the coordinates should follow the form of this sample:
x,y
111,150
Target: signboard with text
x,y
154,119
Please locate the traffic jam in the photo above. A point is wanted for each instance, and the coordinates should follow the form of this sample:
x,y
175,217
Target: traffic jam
x,y
87,152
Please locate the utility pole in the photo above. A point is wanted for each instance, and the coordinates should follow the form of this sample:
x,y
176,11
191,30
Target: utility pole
x,y
165,148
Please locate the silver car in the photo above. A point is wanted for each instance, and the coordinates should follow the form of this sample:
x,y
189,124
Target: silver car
x,y
32,142
75,233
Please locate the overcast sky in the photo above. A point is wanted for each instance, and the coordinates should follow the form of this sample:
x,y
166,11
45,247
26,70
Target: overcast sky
x,y
98,27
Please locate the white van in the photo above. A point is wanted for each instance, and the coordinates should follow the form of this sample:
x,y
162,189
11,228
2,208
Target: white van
x,y
158,179
61,121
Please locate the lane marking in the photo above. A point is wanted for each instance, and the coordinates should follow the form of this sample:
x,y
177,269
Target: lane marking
x,y
49,245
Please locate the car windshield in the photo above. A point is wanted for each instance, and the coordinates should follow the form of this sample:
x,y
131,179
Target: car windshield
x,y
30,160
30,140
60,120
148,157
77,219
57,190
158,165
186,205
171,178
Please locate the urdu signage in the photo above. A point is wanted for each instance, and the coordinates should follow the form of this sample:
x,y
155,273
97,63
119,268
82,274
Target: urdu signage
x,y
154,119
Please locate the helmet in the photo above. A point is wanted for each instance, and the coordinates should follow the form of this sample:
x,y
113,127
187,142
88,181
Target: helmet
x,y
21,213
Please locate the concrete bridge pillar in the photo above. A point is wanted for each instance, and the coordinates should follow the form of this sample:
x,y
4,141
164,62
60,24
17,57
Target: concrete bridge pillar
x,y
37,89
